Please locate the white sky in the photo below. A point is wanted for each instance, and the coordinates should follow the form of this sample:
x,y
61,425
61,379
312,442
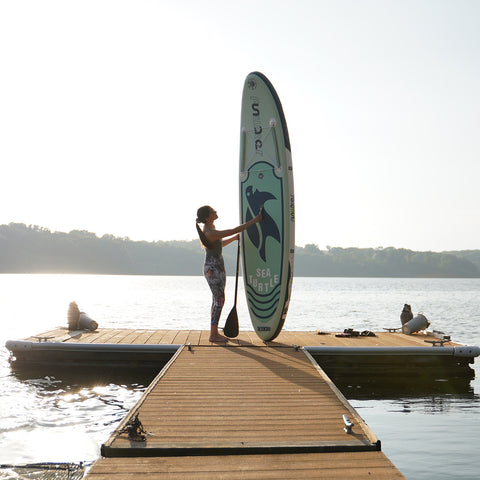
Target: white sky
x,y
122,117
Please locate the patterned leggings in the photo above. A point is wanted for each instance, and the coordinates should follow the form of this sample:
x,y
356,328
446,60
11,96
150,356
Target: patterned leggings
x,y
214,271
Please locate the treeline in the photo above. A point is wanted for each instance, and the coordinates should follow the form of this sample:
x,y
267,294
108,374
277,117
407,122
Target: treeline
x,y
33,249
385,262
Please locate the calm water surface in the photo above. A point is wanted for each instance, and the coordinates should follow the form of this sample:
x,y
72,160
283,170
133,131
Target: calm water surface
x,y
427,432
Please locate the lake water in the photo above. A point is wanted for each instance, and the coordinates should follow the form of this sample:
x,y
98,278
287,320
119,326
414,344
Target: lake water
x,y
428,433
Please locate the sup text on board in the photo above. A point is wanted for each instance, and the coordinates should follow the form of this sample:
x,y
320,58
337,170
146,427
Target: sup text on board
x,y
257,125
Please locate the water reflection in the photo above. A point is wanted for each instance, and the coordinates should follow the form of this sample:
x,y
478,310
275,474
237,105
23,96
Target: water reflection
x,y
378,388
64,415
98,376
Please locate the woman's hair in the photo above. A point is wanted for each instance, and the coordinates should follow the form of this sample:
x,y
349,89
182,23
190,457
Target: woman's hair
x,y
202,214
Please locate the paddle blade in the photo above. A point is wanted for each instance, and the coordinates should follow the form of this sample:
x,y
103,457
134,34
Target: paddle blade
x,y
231,325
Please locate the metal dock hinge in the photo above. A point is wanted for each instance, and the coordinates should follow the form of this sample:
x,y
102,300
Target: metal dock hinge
x,y
296,347
348,424
189,346
134,429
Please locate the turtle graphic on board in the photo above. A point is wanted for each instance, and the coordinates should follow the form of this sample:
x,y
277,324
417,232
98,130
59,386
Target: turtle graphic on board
x,y
268,227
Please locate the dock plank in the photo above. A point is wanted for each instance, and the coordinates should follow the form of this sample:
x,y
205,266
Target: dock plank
x,y
108,335
131,337
181,337
157,337
169,336
144,337
194,337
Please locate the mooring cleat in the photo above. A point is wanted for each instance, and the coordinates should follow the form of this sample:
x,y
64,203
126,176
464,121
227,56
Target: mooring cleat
x,y
437,342
348,424
43,339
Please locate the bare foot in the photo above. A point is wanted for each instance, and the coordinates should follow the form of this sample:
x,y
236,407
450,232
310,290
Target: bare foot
x,y
218,338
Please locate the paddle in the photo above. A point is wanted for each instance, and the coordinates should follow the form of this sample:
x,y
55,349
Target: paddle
x,y
231,325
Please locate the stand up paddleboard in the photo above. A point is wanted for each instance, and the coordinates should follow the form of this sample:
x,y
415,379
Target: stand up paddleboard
x,y
266,182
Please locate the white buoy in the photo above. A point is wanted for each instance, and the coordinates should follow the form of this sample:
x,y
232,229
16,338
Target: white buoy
x,y
85,322
416,324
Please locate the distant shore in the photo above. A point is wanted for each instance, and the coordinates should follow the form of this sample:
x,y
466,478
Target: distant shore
x,y
33,249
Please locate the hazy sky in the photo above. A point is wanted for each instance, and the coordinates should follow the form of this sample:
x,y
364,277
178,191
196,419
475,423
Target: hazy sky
x,y
123,117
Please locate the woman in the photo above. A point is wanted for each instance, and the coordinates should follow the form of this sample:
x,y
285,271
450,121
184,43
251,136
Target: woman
x,y
214,269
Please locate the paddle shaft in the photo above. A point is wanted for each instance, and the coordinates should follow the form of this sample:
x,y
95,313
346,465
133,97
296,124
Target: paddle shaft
x,y
236,274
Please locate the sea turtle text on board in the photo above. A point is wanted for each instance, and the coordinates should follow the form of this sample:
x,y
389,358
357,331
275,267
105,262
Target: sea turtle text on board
x,y
263,281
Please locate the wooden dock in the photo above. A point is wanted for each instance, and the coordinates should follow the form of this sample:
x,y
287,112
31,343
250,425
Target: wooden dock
x,y
385,353
245,412
248,409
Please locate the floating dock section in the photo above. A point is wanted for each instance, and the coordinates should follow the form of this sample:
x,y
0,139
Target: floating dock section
x,y
318,466
386,354
242,412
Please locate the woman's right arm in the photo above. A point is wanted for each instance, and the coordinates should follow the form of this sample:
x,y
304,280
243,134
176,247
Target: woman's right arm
x,y
213,235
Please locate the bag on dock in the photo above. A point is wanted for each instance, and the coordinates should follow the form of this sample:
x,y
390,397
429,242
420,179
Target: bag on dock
x,y
406,314
73,315
78,320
